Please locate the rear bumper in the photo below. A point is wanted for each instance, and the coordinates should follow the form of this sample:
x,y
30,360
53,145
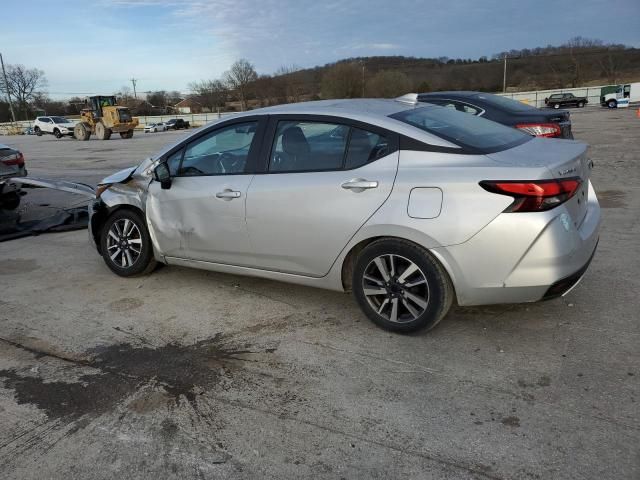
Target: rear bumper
x,y
565,285
516,259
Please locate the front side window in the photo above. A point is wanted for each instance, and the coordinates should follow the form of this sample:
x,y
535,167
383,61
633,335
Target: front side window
x,y
221,152
59,120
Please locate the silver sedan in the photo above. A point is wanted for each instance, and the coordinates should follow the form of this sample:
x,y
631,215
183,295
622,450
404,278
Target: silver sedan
x,y
411,207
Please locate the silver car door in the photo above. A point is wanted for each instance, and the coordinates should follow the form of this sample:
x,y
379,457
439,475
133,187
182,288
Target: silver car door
x,y
299,220
202,215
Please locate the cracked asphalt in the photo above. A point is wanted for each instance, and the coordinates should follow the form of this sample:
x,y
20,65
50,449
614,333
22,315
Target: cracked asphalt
x,y
193,374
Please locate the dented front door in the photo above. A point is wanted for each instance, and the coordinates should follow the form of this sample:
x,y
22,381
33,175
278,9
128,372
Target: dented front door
x,y
201,218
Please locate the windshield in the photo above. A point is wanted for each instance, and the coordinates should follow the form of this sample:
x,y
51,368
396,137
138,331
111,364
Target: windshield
x,y
60,120
465,130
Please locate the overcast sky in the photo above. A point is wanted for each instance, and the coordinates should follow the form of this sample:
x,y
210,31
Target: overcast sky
x,y
97,46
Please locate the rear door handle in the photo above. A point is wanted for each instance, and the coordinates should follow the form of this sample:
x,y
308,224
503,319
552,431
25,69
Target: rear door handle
x,y
359,184
228,194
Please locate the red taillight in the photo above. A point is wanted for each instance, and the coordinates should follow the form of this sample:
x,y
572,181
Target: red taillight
x,y
15,159
535,195
541,129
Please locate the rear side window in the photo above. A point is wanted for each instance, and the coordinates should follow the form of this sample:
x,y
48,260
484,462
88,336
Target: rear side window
x,y
308,146
365,147
468,131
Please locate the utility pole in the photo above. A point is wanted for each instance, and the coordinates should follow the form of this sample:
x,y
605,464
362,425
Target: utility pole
x,y
504,75
6,86
133,82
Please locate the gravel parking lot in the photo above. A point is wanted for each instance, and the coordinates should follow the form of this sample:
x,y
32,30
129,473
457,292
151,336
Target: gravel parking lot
x,y
193,374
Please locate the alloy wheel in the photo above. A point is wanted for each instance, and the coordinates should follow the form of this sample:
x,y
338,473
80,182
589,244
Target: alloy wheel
x,y
124,243
396,288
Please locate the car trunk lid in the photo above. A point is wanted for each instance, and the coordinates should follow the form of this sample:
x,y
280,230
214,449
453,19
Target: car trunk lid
x,y
562,159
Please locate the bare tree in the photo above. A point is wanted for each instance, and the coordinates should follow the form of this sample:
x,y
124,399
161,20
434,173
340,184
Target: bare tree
x,y
240,77
343,80
212,93
23,84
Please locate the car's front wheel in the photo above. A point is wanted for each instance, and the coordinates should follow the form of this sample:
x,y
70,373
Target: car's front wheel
x,y
400,286
126,245
556,105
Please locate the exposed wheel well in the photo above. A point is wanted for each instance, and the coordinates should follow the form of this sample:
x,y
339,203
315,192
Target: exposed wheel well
x,y
100,216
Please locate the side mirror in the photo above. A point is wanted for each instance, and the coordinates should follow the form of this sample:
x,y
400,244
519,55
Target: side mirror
x,y
162,174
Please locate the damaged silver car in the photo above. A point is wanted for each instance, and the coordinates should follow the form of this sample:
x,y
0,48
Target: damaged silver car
x,y
410,206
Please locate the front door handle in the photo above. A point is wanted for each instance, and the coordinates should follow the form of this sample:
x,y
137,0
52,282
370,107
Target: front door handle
x,y
359,184
228,194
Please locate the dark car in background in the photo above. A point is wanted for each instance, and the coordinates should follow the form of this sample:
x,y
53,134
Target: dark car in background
x,y
177,124
506,111
11,165
558,100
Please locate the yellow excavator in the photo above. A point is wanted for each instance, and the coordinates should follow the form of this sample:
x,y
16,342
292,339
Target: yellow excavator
x,y
102,116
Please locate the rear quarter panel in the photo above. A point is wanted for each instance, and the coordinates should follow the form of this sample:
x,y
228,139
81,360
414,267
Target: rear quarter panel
x,y
466,207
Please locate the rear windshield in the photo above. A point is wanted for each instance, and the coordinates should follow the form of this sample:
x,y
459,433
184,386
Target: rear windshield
x,y
505,103
468,131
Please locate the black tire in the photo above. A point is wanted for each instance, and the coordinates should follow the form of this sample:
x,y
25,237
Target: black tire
x,y
144,263
127,134
10,201
612,104
556,105
436,290
38,131
580,104
57,134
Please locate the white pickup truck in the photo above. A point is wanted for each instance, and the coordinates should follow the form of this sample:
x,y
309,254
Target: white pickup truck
x,y
620,95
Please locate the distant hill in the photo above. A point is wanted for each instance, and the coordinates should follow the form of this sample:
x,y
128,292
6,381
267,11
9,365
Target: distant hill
x,y
580,62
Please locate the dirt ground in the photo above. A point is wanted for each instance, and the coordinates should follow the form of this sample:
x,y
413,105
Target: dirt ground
x,y
193,374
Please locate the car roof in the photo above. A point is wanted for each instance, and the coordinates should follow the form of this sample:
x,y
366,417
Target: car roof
x,y
375,111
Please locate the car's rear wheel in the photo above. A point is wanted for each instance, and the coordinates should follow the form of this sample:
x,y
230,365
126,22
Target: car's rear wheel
x,y
400,286
556,105
126,245
38,131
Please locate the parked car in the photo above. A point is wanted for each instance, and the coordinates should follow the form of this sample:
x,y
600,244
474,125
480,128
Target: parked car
x,y
558,100
12,164
56,126
410,206
177,124
155,127
506,111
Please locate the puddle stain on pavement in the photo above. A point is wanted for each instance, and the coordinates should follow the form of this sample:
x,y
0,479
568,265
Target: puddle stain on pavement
x,y
177,370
